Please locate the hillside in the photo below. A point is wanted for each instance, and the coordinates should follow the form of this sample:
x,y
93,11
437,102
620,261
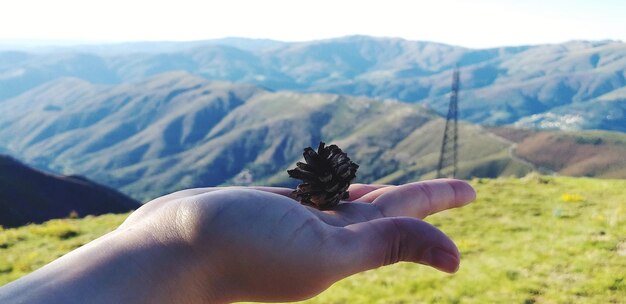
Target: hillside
x,y
607,112
574,153
532,240
176,130
31,196
499,86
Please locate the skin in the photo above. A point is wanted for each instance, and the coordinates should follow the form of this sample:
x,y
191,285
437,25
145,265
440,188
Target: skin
x,y
221,245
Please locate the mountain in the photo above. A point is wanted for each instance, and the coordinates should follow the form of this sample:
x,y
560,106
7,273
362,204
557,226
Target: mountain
x,y
177,130
607,112
524,85
32,196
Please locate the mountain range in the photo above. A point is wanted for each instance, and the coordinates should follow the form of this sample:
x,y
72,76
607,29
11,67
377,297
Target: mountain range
x,y
177,130
572,85
28,195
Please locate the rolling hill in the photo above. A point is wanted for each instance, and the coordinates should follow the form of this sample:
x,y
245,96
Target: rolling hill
x,y
574,153
177,130
32,196
521,84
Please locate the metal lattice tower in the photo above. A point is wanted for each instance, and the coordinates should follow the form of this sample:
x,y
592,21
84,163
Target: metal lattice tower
x,y
449,145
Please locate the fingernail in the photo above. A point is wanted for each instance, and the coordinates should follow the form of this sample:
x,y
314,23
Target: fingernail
x,y
441,259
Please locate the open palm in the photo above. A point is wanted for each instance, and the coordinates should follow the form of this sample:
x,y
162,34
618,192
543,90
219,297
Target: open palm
x,y
257,244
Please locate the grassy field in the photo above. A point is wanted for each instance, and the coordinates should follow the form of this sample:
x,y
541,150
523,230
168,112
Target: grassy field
x,y
531,240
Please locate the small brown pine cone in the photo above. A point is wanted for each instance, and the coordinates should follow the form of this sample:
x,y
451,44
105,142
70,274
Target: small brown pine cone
x,y
325,176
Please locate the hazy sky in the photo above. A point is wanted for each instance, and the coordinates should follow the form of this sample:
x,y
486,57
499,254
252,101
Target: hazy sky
x,y
480,23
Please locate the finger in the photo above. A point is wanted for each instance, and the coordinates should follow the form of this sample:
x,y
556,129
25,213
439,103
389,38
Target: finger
x,y
357,191
424,198
386,241
371,196
415,200
349,213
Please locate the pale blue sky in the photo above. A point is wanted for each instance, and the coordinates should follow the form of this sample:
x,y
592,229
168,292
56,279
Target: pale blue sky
x,y
481,23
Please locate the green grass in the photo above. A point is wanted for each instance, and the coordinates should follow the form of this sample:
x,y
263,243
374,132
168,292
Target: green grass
x,y
531,240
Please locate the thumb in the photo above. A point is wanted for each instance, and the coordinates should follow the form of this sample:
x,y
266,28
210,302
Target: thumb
x,y
386,241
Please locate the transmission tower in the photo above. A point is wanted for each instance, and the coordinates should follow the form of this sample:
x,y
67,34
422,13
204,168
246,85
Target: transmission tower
x,y
449,145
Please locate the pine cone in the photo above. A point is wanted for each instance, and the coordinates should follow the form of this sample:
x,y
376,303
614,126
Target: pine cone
x,y
326,177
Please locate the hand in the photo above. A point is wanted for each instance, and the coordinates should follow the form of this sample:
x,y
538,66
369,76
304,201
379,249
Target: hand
x,y
264,246
257,244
